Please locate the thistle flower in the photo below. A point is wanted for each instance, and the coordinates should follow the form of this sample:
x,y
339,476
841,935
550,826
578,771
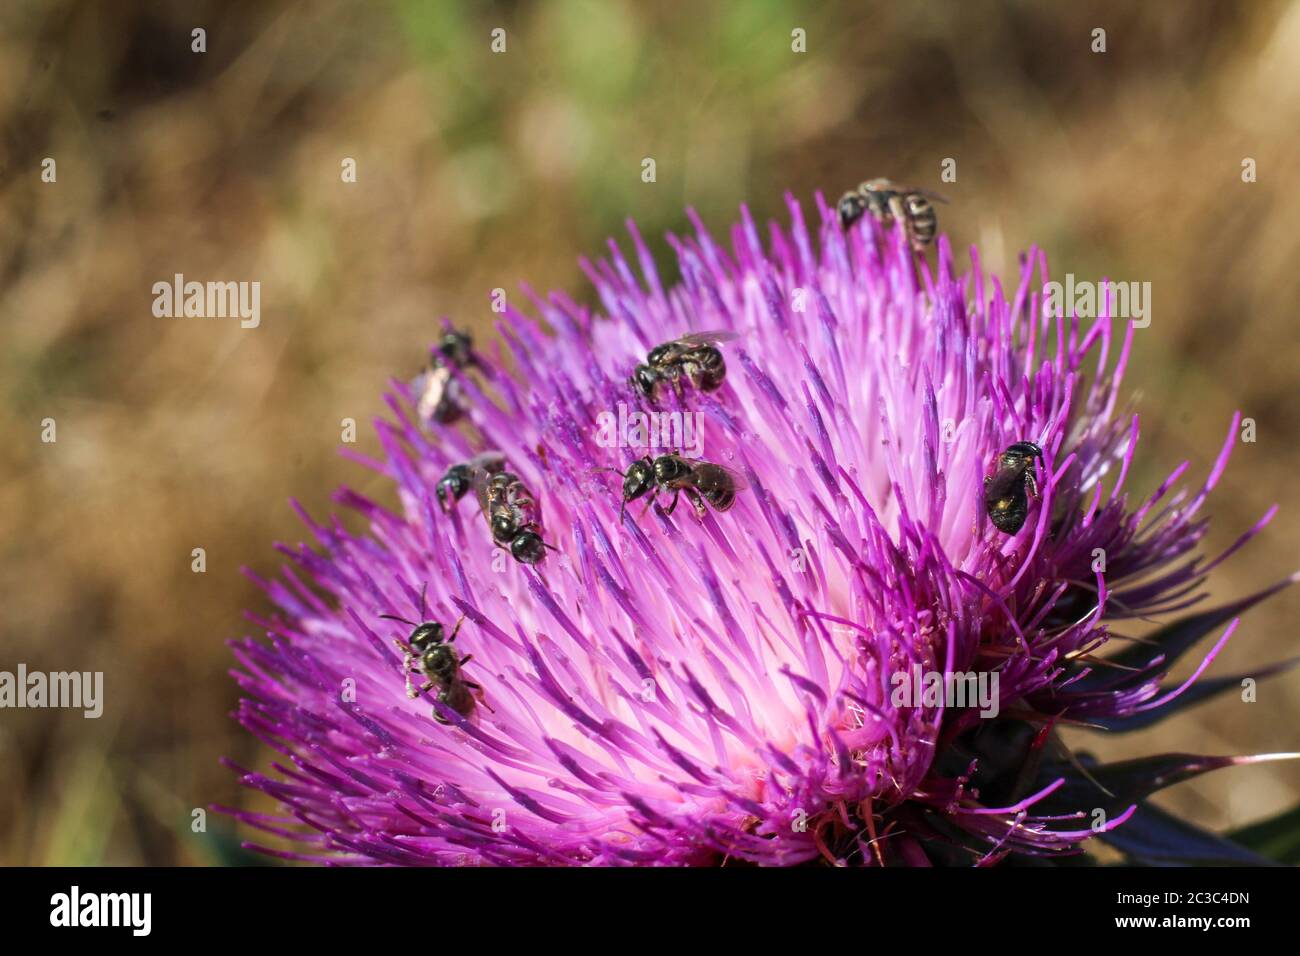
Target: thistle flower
x,y
698,690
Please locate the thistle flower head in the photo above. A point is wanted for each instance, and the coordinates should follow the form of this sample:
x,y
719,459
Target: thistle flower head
x,y
734,685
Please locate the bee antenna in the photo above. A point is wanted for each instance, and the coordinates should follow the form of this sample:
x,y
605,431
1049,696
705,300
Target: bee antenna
x,y
424,608
394,617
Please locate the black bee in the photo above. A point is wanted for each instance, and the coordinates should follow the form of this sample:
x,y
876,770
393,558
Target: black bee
x,y
1006,493
887,202
700,480
513,515
438,389
693,357
428,651
511,511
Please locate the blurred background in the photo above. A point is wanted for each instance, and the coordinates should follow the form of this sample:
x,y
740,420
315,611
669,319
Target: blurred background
x,y
478,170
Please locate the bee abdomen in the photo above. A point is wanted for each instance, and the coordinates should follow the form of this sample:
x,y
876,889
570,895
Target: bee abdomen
x,y
712,369
722,499
456,696
1007,514
923,220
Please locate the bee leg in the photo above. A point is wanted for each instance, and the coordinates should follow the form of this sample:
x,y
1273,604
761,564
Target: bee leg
x,y
1031,483
466,659
411,692
407,657
456,629
677,386
898,213
698,502
667,512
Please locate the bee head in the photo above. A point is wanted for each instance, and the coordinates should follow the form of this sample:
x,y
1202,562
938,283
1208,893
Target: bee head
x,y
645,379
527,547
1022,450
639,479
452,486
850,209
425,636
456,348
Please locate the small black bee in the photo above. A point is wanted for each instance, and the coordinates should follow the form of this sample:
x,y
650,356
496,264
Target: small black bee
x,y
439,391
1006,493
701,481
693,357
887,202
512,513
428,651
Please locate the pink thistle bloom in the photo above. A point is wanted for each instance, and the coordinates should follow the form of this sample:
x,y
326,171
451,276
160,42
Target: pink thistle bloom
x,y
687,690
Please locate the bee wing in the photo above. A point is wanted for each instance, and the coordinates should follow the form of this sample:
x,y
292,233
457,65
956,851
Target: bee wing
x,y
879,185
489,463
709,475
1002,484
930,195
432,386
481,468
885,187
707,338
